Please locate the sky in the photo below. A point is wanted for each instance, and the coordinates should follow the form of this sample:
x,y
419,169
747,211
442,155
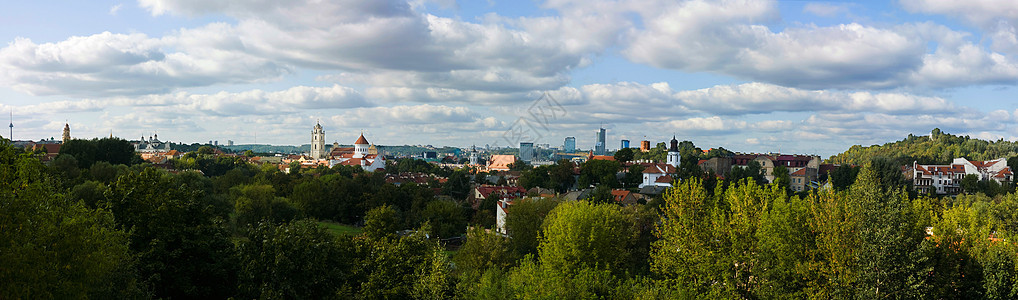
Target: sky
x,y
807,77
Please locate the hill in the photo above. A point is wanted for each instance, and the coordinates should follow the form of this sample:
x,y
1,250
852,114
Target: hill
x,y
936,148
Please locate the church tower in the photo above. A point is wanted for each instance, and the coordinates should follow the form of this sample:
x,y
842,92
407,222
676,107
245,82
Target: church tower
x,y
67,133
318,142
473,155
673,153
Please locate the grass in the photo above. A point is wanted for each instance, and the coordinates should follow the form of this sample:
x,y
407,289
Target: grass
x,y
341,229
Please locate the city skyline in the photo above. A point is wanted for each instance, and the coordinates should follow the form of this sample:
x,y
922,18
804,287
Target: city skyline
x,y
810,77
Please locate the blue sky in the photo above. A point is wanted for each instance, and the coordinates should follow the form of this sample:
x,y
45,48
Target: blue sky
x,y
812,77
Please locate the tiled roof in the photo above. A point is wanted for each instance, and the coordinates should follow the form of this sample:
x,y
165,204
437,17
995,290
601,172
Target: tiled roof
x,y
800,172
664,179
659,169
361,140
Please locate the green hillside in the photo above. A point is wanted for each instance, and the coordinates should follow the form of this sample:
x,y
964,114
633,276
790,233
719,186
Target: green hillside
x,y
936,148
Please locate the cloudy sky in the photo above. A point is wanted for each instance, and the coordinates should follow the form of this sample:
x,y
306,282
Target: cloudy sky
x,y
752,76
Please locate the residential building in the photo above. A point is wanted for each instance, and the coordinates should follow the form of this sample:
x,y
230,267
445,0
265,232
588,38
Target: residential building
x,y
720,166
624,197
946,179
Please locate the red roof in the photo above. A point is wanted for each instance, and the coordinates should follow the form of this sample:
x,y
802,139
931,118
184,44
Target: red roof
x,y
800,172
602,157
664,179
620,195
659,169
504,191
361,141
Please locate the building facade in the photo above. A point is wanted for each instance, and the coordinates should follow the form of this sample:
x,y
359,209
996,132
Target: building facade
x,y
946,179
317,142
599,145
527,152
569,146
624,144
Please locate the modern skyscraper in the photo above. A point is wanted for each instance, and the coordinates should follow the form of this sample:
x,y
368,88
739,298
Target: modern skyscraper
x,y
599,146
526,151
318,142
624,145
569,146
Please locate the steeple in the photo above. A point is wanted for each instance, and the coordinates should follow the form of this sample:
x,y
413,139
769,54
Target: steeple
x,y
67,133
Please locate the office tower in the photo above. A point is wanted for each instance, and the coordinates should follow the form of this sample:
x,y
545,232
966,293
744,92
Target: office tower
x,y
570,145
526,151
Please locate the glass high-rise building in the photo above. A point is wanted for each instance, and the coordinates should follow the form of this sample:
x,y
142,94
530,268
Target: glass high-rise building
x,y
527,151
599,147
625,144
569,146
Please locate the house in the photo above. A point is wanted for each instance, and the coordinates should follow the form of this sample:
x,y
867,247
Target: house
x,y
49,151
658,175
946,179
721,166
623,197
482,192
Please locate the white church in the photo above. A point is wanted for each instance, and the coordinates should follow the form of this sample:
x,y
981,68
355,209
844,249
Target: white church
x,y
362,154
660,175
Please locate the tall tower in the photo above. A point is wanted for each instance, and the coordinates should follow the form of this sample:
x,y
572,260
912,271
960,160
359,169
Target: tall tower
x,y
527,151
12,126
473,155
599,147
67,133
318,142
673,153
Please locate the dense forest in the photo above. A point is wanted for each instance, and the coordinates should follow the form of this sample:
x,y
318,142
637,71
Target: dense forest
x,y
119,229
937,148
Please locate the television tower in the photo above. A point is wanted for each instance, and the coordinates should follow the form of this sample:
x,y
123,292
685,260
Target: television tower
x,y
12,126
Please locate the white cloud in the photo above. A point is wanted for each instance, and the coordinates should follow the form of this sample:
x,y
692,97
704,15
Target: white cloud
x,y
980,12
123,64
115,8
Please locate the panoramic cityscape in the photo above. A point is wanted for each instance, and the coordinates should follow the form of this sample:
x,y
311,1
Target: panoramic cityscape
x,y
443,149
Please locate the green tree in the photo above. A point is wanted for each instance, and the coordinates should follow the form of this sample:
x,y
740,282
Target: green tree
x,y
381,222
446,217
299,260
597,171
624,155
970,183
53,247
179,233
523,223
580,235
781,177
843,176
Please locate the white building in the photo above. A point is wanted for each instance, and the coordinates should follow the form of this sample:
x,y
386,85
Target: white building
x,y
658,175
361,156
152,145
946,179
317,142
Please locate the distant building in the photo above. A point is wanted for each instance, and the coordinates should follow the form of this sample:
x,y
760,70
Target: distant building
x,y
623,197
67,133
673,157
152,145
569,146
644,146
599,145
318,142
659,175
473,155
229,143
360,156
946,179
501,162
624,144
527,152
